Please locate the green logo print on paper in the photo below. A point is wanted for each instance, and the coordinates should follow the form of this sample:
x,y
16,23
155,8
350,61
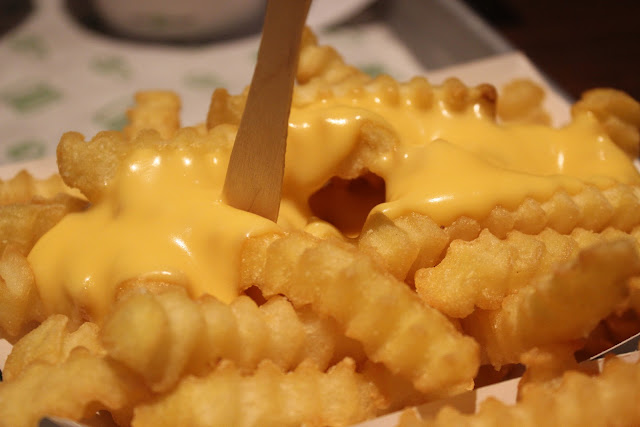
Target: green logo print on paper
x,y
202,80
374,70
27,97
30,44
26,150
113,115
116,66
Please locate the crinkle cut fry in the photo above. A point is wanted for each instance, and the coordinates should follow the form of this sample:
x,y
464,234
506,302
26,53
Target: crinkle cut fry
x,y
320,63
267,397
22,308
322,74
157,110
618,113
29,207
65,371
51,342
76,388
423,245
90,165
481,272
521,101
163,337
608,399
391,322
558,308
23,224
24,187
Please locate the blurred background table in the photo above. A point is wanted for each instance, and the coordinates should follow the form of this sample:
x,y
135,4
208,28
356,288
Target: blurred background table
x,y
580,45
64,68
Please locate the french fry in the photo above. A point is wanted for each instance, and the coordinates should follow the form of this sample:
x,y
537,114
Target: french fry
x,y
21,306
411,339
51,342
75,389
167,336
576,399
266,397
548,312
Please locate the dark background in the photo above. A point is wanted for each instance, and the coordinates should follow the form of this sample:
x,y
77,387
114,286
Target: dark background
x,y
578,44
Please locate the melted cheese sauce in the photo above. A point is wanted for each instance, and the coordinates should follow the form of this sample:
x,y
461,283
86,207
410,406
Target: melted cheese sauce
x,y
163,216
162,219
448,164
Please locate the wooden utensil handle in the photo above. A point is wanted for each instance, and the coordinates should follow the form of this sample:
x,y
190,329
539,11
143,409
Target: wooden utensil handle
x,y
256,167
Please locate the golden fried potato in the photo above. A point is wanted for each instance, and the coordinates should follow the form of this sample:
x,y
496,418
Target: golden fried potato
x,y
51,342
24,187
29,207
23,224
267,397
618,113
544,365
90,165
411,242
167,336
21,305
225,109
559,308
403,245
457,96
74,389
321,62
481,272
154,110
411,339
520,101
610,398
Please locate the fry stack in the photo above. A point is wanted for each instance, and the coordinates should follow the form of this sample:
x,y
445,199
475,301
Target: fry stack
x,y
367,296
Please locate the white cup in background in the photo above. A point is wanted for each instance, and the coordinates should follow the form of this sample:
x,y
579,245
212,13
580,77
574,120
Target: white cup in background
x,y
181,19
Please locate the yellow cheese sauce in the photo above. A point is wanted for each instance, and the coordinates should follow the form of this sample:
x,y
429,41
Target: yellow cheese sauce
x,y
162,218
448,164
163,215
